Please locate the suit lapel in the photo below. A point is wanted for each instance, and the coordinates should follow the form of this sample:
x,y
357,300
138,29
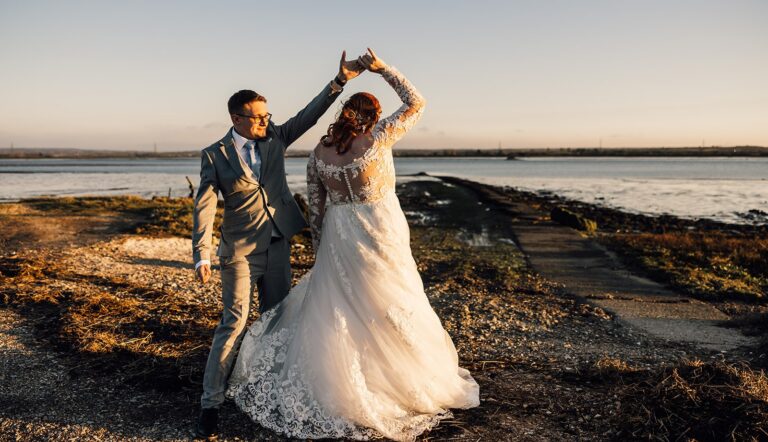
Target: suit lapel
x,y
264,149
234,159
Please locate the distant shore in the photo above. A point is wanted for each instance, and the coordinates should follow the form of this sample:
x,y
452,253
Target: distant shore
x,y
712,151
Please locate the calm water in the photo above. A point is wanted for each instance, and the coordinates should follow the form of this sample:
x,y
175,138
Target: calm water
x,y
717,188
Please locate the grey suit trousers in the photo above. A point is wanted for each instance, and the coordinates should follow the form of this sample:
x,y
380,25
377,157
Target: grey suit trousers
x,y
270,273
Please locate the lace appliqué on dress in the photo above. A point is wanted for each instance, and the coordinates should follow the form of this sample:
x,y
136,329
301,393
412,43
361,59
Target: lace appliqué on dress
x,y
389,130
287,406
401,320
316,196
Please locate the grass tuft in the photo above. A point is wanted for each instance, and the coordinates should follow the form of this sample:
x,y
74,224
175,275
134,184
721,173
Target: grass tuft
x,y
695,400
712,266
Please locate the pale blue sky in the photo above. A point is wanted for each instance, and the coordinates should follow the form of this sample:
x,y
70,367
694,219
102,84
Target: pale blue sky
x,y
124,75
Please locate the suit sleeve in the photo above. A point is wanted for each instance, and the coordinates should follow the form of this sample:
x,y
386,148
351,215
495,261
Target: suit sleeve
x,y
295,127
205,210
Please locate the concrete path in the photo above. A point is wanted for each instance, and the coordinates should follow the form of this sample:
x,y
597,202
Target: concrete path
x,y
586,269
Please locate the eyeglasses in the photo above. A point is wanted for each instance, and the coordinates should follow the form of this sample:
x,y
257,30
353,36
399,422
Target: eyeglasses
x,y
260,118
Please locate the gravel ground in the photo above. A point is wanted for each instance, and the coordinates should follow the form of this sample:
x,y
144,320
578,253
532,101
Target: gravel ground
x,y
532,349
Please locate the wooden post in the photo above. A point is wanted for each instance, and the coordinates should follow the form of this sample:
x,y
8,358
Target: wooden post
x,y
191,187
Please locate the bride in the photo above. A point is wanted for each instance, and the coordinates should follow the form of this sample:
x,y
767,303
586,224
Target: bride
x,y
355,349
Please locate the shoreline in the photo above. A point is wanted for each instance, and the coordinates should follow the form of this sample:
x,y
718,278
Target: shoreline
x,y
754,219
614,219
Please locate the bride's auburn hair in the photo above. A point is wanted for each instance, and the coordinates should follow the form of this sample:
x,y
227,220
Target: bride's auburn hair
x,y
358,115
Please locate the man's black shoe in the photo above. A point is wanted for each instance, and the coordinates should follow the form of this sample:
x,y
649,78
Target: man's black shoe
x,y
207,425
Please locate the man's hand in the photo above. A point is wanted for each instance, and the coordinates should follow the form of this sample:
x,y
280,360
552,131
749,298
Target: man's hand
x,y
349,69
203,273
371,62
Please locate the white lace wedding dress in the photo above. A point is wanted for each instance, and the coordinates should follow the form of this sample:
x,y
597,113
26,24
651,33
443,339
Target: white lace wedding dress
x,y
355,349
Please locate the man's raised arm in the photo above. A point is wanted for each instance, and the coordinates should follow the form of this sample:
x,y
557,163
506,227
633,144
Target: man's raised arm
x,y
295,127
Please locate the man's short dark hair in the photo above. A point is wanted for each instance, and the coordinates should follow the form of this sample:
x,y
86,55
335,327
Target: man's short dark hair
x,y
239,99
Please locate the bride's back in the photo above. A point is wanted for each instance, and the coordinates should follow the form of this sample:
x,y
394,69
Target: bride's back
x,y
357,148
362,174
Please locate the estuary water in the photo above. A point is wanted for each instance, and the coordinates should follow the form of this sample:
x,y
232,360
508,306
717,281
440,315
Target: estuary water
x,y
715,188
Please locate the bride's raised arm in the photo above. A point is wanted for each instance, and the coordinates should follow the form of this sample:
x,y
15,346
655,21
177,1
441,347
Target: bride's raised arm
x,y
390,129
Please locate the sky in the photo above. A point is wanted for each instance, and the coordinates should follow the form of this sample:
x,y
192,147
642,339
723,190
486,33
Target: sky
x,y
515,74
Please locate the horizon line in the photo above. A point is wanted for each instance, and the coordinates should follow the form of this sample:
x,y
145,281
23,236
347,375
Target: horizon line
x,y
152,150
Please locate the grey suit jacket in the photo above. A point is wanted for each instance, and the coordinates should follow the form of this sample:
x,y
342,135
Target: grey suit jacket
x,y
249,204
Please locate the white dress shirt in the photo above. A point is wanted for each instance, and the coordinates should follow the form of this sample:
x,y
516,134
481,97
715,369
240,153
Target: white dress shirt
x,y
245,153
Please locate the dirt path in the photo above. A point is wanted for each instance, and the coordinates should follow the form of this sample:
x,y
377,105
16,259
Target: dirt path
x,y
586,269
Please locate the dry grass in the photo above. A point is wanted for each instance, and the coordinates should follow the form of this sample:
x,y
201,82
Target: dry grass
x,y
162,216
607,366
712,265
694,400
606,370
153,337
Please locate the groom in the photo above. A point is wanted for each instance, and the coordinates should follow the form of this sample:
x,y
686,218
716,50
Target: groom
x,y
260,215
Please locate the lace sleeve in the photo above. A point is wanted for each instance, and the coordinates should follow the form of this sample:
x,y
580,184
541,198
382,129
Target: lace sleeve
x,y
316,195
389,130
